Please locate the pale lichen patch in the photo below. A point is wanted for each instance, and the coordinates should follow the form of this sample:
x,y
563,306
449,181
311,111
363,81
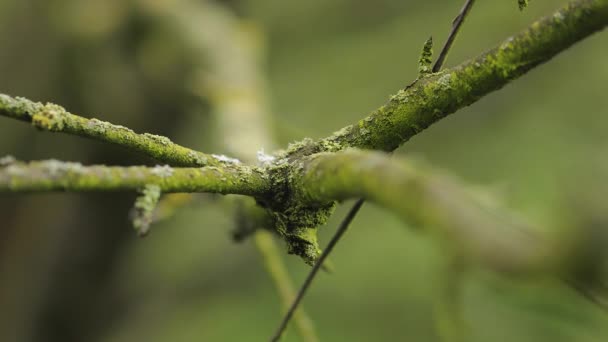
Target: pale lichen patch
x,y
226,159
197,158
50,117
444,81
265,159
400,97
143,210
162,171
159,139
7,160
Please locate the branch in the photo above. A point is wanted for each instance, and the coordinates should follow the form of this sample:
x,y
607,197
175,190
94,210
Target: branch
x,y
472,226
53,175
54,118
142,213
434,97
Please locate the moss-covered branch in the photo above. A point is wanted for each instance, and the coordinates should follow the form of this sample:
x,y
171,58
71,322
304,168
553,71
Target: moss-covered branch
x,y
433,97
53,118
299,203
53,175
472,225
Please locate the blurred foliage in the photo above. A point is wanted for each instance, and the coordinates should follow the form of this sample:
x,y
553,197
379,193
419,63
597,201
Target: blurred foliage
x,y
71,269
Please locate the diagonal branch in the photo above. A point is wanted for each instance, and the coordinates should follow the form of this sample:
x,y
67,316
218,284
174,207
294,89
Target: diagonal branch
x,y
432,98
53,118
53,175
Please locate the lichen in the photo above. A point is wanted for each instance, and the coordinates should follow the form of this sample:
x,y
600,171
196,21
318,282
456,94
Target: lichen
x,y
197,158
296,223
97,126
401,97
57,168
444,81
162,171
558,16
265,159
7,160
226,159
50,117
308,146
18,107
159,139
143,210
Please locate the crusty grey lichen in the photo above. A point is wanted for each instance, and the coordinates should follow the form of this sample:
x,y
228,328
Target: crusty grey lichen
x,y
143,210
295,222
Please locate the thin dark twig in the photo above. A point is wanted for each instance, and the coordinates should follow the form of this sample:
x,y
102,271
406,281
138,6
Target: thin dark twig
x,y
317,266
456,24
588,294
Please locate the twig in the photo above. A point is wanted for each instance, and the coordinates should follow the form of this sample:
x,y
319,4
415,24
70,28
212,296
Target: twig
x,y
317,266
54,175
53,118
456,24
143,210
278,272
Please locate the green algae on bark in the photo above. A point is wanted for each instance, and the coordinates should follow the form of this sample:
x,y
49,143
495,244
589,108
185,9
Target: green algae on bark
x,y
54,118
54,175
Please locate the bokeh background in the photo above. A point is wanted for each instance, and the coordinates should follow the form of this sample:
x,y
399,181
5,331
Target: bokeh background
x,y
72,269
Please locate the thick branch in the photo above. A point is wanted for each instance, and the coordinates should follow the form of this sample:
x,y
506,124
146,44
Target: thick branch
x,y
472,225
53,175
432,98
54,118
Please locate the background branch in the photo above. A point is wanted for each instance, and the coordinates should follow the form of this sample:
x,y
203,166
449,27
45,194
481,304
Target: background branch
x,y
469,224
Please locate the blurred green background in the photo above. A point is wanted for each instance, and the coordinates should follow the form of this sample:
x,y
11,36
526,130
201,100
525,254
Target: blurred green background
x,y
71,268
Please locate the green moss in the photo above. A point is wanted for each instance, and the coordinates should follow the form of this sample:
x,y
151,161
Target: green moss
x,y
426,58
522,4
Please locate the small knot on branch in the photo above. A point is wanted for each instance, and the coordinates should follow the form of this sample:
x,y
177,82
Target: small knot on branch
x,y
295,222
142,213
50,117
